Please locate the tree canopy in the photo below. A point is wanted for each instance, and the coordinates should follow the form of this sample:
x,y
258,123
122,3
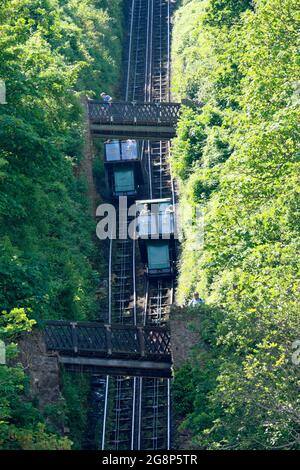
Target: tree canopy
x,y
51,53
238,160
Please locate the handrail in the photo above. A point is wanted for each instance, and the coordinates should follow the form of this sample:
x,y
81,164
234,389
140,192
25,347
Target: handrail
x,y
134,113
105,340
135,103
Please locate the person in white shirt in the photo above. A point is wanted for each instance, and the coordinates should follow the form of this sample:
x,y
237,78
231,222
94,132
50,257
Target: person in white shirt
x,y
169,209
196,300
106,99
145,210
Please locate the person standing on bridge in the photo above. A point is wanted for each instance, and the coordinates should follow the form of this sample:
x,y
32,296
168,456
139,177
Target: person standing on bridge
x,y
106,99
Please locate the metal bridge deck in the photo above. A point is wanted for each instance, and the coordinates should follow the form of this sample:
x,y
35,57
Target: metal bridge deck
x,y
150,121
117,347
117,367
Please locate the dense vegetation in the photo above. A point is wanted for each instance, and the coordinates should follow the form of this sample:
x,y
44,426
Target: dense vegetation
x,y
51,52
238,159
22,425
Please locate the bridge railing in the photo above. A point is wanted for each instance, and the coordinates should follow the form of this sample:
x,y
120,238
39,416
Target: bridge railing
x,y
135,113
99,340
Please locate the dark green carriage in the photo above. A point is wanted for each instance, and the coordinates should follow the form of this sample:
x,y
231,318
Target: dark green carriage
x,y
124,181
159,261
123,167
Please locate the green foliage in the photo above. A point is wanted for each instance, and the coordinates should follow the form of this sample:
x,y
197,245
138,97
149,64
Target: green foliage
x,y
76,390
242,170
189,148
14,322
225,12
51,52
183,391
21,423
48,50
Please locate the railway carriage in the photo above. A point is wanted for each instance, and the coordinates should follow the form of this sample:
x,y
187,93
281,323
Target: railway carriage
x,y
123,170
156,229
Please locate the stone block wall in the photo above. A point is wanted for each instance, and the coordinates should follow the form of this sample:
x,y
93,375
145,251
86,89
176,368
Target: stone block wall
x,y
42,369
182,323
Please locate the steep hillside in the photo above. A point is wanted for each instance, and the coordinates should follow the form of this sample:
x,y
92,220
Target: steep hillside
x,y
237,162
51,52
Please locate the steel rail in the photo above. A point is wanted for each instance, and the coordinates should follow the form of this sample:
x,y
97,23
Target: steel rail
x,y
139,388
169,54
136,52
169,415
110,280
163,168
133,414
130,49
132,63
134,271
105,413
140,413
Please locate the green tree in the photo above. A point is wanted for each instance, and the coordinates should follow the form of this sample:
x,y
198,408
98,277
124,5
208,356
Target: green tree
x,y
51,53
243,171
21,423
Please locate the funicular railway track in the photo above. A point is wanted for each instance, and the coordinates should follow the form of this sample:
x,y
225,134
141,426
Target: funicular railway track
x,y
122,304
155,397
137,411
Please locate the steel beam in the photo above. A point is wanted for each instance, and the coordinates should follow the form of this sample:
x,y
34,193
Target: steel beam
x,y
117,366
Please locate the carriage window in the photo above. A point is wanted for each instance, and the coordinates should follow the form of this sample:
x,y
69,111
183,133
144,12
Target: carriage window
x,y
158,255
124,180
129,150
147,224
166,223
112,151
163,206
156,219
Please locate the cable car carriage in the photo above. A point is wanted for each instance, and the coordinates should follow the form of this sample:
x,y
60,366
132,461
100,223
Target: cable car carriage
x,y
122,160
156,230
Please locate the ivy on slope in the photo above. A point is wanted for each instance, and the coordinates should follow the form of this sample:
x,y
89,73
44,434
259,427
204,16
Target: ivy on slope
x,y
238,160
51,52
22,425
